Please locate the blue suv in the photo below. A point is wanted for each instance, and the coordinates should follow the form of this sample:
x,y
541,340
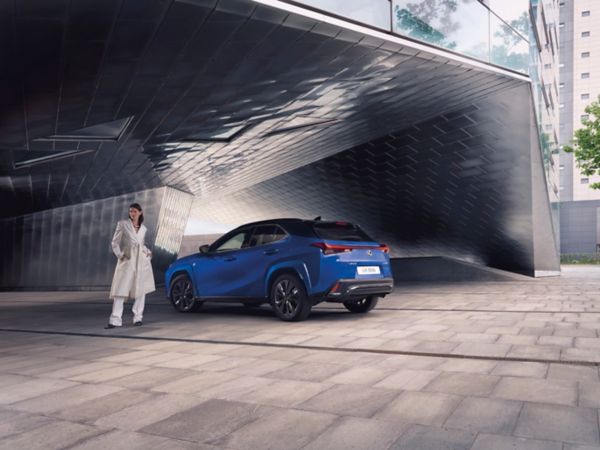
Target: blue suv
x,y
291,263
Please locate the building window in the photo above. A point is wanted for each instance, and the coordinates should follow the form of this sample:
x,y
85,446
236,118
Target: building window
x,y
548,127
584,117
547,66
585,96
561,25
585,54
561,106
585,34
585,75
561,85
585,181
585,13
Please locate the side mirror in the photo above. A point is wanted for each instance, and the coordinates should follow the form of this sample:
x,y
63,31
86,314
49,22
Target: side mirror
x,y
203,248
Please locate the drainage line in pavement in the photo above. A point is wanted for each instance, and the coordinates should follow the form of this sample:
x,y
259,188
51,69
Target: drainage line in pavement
x,y
513,311
310,347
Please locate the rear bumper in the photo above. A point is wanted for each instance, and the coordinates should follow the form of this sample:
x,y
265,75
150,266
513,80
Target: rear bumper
x,y
352,289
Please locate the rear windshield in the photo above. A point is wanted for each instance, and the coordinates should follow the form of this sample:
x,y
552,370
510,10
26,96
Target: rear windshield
x,y
340,231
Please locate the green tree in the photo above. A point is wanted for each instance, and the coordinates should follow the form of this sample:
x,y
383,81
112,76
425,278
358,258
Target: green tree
x,y
586,143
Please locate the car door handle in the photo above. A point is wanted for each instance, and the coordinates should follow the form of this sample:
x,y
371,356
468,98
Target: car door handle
x,y
231,258
271,251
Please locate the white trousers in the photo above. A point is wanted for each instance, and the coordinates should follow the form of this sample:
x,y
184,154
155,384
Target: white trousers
x,y
117,310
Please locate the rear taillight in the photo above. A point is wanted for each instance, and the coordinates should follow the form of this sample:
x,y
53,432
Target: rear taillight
x,y
330,249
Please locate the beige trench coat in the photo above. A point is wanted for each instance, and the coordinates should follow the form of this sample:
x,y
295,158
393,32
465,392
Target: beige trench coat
x,y
133,276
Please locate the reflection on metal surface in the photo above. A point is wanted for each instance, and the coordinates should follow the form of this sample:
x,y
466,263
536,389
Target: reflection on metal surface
x,y
110,131
458,185
68,248
44,157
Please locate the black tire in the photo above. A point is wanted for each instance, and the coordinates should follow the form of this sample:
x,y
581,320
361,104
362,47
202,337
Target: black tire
x,y
364,305
289,299
182,294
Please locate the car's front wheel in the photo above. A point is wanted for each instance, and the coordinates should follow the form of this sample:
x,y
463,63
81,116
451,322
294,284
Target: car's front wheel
x,y
363,305
182,294
289,298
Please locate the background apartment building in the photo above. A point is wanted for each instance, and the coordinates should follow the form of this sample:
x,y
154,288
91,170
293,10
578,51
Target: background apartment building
x,y
579,85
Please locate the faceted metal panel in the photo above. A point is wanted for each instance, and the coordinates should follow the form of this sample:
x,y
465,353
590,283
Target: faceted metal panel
x,y
69,247
458,185
247,106
183,71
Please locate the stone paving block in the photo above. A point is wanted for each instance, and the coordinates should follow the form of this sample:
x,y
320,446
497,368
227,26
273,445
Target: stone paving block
x,y
435,348
434,438
481,349
92,410
350,400
15,422
82,368
307,372
485,415
541,352
32,388
467,365
407,379
399,345
281,430
360,375
412,362
235,389
158,358
521,369
575,332
587,343
105,375
54,435
260,367
463,383
196,383
208,421
351,433
64,398
424,408
7,380
537,331
147,412
153,376
580,447
129,440
558,423
285,393
589,394
559,392
559,341
571,372
474,337
517,339
495,442
580,354
127,357
189,361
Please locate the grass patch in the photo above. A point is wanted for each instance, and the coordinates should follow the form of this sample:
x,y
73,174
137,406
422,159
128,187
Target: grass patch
x,y
582,258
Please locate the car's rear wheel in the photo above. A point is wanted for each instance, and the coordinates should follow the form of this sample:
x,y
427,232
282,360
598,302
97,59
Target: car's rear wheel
x,y
363,305
182,294
289,299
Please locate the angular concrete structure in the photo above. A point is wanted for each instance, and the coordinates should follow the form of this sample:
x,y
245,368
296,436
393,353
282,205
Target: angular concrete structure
x,y
259,109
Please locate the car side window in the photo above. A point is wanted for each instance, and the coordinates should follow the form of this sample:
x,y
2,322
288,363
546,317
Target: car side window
x,y
235,242
265,234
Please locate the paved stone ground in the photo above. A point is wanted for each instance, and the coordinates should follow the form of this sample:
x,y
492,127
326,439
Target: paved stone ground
x,y
487,365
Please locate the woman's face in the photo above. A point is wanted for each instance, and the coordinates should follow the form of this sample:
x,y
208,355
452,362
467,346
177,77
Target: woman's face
x,y
134,214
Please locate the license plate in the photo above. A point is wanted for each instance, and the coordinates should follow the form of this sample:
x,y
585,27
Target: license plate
x,y
368,270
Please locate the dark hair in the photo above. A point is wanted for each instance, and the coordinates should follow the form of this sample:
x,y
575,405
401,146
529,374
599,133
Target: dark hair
x,y
139,208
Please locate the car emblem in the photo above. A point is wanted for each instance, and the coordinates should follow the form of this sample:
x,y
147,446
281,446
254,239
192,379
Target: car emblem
x,y
370,252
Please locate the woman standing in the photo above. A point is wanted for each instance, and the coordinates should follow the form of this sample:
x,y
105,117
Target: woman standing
x,y
133,276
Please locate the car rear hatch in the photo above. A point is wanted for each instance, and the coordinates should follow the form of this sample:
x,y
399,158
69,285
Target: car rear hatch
x,y
350,251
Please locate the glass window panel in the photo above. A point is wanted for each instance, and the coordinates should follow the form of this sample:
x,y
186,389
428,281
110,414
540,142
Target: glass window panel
x,y
371,12
508,48
458,26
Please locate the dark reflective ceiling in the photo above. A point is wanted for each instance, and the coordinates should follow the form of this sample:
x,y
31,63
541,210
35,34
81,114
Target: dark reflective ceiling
x,y
100,98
